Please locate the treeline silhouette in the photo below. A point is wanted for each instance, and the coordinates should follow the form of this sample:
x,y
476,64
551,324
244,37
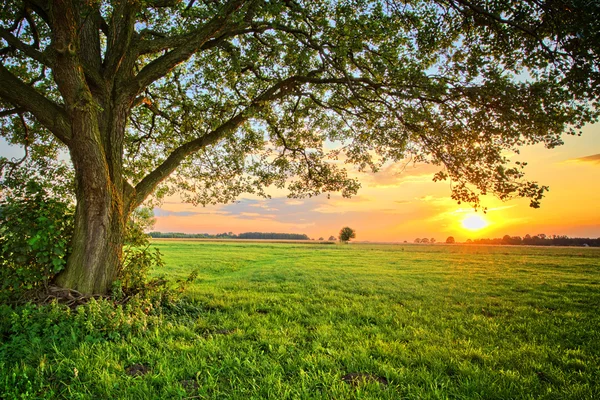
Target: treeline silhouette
x,y
230,235
539,240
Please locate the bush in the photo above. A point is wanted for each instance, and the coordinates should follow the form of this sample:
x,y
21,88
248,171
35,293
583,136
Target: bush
x,y
35,234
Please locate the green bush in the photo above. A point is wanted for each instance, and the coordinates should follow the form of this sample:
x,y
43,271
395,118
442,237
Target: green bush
x,y
35,234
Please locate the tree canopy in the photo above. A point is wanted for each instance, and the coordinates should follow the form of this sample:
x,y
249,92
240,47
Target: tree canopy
x,y
217,98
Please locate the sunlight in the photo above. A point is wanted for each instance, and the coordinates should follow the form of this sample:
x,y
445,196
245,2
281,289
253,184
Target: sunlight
x,y
474,222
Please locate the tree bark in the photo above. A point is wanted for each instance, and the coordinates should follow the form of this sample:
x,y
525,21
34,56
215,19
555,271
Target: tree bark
x,y
100,218
97,244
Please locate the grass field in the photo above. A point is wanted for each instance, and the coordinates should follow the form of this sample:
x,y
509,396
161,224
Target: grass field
x,y
273,320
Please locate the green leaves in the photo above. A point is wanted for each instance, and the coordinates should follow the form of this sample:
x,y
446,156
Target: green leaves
x,y
35,232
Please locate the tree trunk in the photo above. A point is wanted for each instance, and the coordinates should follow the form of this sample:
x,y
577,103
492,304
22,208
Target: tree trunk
x,y
97,243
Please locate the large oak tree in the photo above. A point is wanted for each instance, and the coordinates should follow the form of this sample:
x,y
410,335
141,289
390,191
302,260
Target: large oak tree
x,y
220,97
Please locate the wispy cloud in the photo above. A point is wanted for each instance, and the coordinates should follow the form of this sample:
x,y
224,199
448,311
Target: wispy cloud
x,y
281,209
159,212
395,174
593,159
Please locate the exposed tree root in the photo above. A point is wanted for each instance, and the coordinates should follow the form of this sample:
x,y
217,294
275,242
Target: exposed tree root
x,y
69,297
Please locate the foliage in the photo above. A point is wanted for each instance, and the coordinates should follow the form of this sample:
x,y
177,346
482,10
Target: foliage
x,y
332,238
138,258
450,240
346,233
450,82
36,224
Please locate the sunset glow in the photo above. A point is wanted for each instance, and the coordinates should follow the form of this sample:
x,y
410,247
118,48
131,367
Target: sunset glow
x,y
474,222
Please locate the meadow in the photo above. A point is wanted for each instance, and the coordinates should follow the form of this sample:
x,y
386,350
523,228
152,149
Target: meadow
x,y
356,321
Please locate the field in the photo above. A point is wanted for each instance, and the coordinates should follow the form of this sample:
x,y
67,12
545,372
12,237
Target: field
x,y
288,321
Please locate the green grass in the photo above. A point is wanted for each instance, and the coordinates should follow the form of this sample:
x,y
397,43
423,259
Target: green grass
x,y
268,320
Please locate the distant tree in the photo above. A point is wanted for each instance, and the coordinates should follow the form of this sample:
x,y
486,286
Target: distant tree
x,y
450,240
347,233
332,238
432,240
417,240
527,237
469,241
321,238
425,240
506,239
542,235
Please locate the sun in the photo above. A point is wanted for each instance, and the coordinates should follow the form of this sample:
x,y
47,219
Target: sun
x,y
474,222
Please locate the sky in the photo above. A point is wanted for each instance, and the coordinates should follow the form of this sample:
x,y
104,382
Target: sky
x,y
401,204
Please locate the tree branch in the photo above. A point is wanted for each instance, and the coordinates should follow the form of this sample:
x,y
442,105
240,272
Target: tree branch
x,y
13,111
121,31
162,65
28,50
147,185
480,10
49,114
163,3
165,43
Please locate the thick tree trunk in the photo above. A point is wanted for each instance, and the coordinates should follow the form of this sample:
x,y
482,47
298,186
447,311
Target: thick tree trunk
x,y
97,245
100,217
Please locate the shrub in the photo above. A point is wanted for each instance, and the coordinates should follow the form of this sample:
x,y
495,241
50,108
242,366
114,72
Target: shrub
x,y
35,234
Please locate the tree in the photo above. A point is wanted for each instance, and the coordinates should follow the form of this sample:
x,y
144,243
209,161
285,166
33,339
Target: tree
x,y
321,239
218,98
450,240
346,234
432,240
332,238
418,240
425,241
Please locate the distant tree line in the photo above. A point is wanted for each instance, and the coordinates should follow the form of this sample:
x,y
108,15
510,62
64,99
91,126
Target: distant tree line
x,y
230,235
539,240
272,235
425,240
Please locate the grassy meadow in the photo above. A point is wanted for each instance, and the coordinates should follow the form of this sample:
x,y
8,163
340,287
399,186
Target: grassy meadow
x,y
357,321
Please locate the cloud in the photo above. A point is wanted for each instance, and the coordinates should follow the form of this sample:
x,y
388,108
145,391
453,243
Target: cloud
x,y
395,174
281,209
593,159
159,212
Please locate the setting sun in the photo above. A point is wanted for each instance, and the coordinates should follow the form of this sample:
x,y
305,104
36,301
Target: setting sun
x,y
474,222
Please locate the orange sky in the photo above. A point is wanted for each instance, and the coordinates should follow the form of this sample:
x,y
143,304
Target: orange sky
x,y
396,205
